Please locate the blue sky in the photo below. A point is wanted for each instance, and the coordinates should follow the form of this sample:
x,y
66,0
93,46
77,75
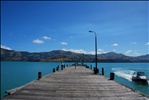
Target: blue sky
x,y
42,26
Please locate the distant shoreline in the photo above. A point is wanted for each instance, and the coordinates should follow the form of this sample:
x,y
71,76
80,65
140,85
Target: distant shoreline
x,y
70,61
67,56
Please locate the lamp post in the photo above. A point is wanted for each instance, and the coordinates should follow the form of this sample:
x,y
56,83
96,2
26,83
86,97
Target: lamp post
x,y
82,58
96,69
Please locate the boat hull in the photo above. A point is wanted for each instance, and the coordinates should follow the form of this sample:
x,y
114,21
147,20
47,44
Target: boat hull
x,y
139,80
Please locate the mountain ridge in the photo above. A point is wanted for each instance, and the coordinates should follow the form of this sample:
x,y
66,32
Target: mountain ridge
x,y
63,56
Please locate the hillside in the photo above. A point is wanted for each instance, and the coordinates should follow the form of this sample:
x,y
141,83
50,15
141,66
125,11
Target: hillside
x,y
60,55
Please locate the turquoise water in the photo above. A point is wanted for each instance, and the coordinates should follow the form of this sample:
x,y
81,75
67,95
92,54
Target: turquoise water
x,y
15,74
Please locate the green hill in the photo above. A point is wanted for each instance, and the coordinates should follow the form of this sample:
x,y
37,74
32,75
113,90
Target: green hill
x,y
67,56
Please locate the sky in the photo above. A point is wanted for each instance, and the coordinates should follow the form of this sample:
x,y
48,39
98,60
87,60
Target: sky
x,y
43,26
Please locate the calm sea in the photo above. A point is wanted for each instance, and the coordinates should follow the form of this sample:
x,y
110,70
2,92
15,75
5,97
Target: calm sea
x,y
15,74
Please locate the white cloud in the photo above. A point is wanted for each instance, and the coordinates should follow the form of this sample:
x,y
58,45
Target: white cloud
x,y
64,43
132,53
147,43
46,38
85,52
115,44
100,51
75,50
5,47
90,52
79,51
38,41
127,52
134,43
137,54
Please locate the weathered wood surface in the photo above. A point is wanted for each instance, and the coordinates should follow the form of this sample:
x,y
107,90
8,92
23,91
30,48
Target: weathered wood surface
x,y
75,84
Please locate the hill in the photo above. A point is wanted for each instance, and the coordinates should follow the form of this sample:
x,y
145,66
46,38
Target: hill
x,y
114,57
67,56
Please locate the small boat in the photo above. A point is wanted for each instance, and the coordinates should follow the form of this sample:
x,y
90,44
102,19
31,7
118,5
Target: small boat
x,y
139,76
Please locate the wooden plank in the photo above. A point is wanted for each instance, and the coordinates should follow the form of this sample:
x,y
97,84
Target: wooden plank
x,y
75,84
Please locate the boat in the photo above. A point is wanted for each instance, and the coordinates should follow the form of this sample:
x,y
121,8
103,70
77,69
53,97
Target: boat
x,y
139,76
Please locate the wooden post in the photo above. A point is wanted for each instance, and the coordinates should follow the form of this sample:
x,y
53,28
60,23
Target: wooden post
x,y
87,66
61,67
53,70
97,70
111,76
94,70
39,75
102,71
57,68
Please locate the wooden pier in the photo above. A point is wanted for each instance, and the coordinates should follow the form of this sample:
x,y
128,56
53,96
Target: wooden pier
x,y
74,84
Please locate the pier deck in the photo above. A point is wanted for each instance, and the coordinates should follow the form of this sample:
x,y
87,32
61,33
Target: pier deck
x,y
74,84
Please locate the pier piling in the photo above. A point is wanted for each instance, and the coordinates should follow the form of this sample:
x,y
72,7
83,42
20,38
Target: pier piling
x,y
39,75
102,71
61,67
111,76
53,70
57,68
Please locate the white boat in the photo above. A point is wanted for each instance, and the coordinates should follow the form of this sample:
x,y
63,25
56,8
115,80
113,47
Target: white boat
x,y
139,76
